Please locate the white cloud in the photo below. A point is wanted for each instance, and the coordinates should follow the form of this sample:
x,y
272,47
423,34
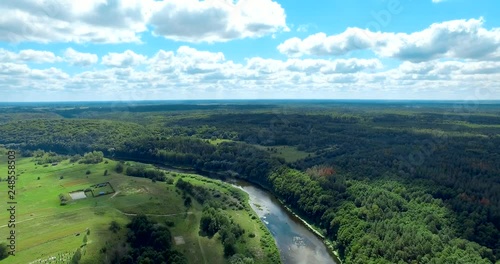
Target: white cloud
x,y
73,21
79,58
457,39
217,20
118,21
28,55
191,73
123,60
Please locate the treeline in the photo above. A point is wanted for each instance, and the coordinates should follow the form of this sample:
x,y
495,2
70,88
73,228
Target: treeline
x,y
41,157
199,193
141,171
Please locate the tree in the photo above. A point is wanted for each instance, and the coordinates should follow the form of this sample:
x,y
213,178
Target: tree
x,y
105,172
114,226
119,167
187,202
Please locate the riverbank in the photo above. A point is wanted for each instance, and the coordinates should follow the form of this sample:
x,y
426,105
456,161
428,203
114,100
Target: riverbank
x,y
327,243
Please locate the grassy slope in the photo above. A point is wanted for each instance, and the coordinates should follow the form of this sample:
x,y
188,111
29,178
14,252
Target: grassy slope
x,y
46,229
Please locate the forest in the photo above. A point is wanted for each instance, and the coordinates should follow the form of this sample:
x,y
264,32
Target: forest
x,y
387,182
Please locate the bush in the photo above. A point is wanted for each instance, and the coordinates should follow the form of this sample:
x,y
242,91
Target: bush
x,y
62,199
119,167
114,226
4,251
169,180
75,158
93,157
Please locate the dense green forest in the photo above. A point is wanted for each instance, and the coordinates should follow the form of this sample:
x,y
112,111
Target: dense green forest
x,y
387,182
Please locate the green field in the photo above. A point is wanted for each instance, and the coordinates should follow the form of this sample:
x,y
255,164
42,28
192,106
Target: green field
x,y
47,232
288,153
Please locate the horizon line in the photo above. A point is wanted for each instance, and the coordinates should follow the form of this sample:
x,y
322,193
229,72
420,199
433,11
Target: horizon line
x,y
252,99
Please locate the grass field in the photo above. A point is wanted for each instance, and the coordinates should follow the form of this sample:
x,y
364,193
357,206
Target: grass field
x,y
290,154
218,141
46,230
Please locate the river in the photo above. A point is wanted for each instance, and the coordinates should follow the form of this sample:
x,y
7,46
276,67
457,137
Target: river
x,y
297,244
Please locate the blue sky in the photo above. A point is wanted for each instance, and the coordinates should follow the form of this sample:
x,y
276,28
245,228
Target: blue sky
x,y
60,50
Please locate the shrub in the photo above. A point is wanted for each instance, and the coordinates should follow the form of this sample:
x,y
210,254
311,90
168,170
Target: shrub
x,y
93,157
119,167
114,226
62,199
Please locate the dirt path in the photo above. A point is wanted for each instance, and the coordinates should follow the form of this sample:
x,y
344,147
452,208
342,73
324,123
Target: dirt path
x,y
163,215
19,222
202,252
116,193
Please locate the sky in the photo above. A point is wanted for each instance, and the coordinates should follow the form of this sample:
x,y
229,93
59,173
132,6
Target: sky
x,y
101,50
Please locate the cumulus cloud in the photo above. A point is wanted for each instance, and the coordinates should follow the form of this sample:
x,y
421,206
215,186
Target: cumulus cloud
x,y
123,60
119,21
29,55
73,21
448,68
76,58
457,39
217,20
191,73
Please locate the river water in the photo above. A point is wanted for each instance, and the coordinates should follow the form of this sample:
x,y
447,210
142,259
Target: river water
x,y
297,245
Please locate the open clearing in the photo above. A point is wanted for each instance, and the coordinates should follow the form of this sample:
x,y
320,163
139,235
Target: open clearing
x,y
290,154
